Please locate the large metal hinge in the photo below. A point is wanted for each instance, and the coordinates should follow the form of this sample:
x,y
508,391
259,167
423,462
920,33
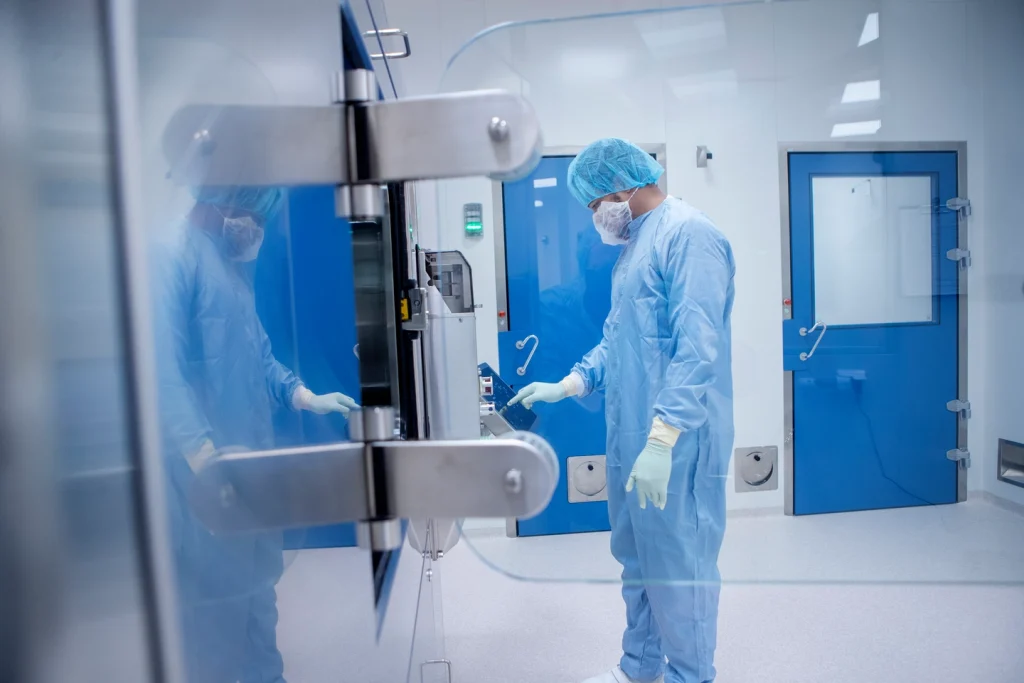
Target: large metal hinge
x,y
961,456
962,408
961,256
376,480
360,141
960,205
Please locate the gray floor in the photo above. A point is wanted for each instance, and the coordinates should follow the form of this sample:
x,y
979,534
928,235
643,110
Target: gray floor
x,y
929,595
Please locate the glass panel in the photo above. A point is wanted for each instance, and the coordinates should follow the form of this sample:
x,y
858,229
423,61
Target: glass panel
x,y
873,250
743,80
256,349
75,603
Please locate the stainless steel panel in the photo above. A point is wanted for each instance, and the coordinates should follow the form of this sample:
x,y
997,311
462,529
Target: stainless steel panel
x,y
456,479
587,478
214,145
442,136
787,266
756,469
283,488
449,136
1011,462
962,243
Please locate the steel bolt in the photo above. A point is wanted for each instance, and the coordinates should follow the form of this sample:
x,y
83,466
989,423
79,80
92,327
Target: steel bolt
x,y
514,481
498,129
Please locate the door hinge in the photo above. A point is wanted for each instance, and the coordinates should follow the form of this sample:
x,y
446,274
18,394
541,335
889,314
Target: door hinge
x,y
960,205
961,456
961,256
963,408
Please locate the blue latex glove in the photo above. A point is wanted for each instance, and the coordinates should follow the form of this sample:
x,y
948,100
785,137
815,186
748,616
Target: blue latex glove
x,y
651,473
546,392
321,404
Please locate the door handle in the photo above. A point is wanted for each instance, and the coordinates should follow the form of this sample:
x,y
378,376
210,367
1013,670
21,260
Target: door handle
x,y
521,344
804,332
384,33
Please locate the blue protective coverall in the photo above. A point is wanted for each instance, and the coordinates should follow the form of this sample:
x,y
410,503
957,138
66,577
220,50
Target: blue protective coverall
x,y
665,352
218,380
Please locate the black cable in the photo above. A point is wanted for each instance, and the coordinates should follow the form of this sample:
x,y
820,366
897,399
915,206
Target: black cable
x,y
878,455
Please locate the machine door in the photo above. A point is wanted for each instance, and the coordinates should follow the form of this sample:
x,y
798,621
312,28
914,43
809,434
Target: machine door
x,y
559,291
872,343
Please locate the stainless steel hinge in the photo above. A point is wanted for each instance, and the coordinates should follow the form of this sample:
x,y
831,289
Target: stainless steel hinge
x,y
961,456
962,408
359,141
961,256
960,205
379,480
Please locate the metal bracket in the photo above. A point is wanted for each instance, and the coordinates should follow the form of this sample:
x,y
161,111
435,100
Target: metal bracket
x,y
362,140
417,321
962,408
961,456
961,256
329,484
960,205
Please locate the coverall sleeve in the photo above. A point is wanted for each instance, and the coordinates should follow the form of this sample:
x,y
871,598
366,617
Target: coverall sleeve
x,y
697,269
592,367
281,382
183,424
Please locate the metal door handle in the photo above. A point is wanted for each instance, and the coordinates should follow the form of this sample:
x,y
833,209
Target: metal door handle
x,y
804,332
384,33
521,344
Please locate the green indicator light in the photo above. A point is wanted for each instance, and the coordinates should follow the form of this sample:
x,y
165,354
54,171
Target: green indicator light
x,y
473,219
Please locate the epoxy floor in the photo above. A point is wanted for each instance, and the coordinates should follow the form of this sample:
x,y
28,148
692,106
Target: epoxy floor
x,y
925,595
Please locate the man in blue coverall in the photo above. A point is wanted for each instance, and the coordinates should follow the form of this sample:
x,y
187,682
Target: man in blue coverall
x,y
664,362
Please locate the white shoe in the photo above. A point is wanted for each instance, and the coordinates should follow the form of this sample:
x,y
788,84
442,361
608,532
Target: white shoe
x,y
617,675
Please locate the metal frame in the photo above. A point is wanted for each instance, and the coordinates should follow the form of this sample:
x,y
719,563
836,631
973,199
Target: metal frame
x,y
498,211
120,61
500,272
960,148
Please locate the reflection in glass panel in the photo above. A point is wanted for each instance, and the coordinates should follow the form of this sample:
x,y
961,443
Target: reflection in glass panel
x,y
873,249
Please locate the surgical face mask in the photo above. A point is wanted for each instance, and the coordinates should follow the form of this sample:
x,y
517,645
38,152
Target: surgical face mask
x,y
611,220
243,238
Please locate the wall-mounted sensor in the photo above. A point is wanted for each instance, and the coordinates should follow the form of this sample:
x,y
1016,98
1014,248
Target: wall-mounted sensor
x,y
703,156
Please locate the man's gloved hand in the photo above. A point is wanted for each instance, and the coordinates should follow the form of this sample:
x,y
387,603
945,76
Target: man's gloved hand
x,y
321,404
651,473
201,457
546,392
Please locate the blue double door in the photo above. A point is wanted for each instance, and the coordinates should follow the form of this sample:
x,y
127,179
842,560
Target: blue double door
x,y
559,276
872,343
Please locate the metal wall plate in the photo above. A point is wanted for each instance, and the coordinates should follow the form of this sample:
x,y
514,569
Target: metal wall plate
x,y
1011,462
586,478
756,469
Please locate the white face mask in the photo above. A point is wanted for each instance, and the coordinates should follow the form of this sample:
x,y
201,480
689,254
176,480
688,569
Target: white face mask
x,y
243,238
611,220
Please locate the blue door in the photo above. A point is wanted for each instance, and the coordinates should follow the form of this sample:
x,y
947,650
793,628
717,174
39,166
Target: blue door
x,y
872,342
559,293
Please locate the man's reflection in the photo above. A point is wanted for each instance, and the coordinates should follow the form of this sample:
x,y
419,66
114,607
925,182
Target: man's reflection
x,y
219,384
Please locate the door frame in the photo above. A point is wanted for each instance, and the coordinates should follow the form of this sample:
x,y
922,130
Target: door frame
x,y
785,149
500,271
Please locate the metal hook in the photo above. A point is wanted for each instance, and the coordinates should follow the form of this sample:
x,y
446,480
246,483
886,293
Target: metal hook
x,y
521,344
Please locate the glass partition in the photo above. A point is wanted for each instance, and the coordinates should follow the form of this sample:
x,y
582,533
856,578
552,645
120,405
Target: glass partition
x,y
815,138
253,317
